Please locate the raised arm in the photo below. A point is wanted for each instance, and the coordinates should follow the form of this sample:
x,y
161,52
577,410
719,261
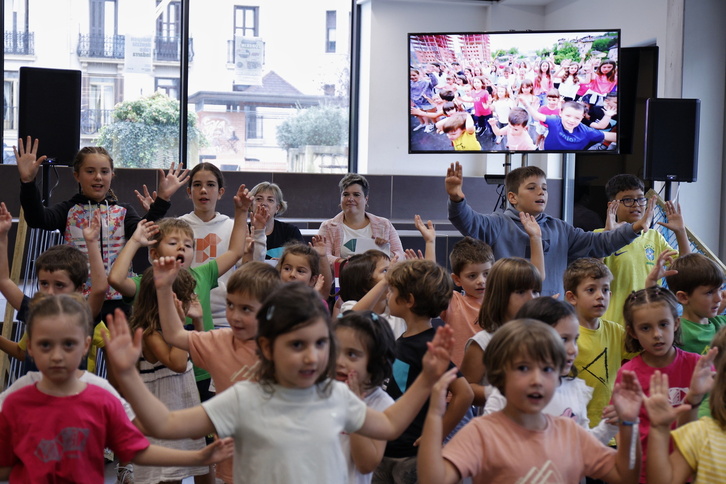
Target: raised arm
x,y
123,352
99,280
27,160
659,270
118,275
428,233
454,182
677,225
535,241
172,326
644,223
320,245
170,182
701,384
9,289
240,230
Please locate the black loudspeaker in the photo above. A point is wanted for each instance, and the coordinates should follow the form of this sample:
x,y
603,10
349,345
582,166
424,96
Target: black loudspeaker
x,y
671,139
49,108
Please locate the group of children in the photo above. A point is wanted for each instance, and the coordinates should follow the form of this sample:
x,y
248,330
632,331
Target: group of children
x,y
544,106
382,386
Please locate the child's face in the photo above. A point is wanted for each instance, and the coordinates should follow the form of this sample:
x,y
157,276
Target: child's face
x,y
553,102
205,191
379,273
58,343
517,300
654,328
414,76
529,385
241,315
531,196
54,283
526,89
352,356
571,118
94,176
176,244
501,92
473,278
516,129
703,302
630,214
569,330
455,134
396,305
296,268
606,68
572,69
591,298
268,199
300,357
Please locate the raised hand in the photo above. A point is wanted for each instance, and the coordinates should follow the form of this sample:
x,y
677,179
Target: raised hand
x,y
243,199
319,282
320,244
675,217
659,270
6,220
27,160
628,396
530,225
122,349
437,402
146,199
411,254
165,271
354,383
92,230
428,232
703,377
611,219
260,217
172,181
438,355
660,411
144,233
454,182
644,222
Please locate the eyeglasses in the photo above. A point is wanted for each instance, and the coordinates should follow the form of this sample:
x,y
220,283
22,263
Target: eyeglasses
x,y
631,202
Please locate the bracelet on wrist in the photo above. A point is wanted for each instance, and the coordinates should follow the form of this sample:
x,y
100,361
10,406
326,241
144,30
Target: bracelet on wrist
x,y
628,423
694,405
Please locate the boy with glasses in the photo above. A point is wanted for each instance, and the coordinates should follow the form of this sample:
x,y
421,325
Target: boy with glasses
x,y
631,264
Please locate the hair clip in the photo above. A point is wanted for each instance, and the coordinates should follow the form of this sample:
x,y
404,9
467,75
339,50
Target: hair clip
x,y
270,312
340,315
374,317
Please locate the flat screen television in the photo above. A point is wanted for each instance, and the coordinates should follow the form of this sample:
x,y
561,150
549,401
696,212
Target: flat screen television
x,y
514,92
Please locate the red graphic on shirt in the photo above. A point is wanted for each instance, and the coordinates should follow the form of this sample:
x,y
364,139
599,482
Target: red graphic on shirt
x,y
207,248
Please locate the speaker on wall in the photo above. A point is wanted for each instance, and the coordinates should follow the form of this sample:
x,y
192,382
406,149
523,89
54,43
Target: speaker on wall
x,y
49,108
671,139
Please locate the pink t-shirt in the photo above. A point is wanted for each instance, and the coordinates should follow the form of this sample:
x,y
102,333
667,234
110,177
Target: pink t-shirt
x,y
521,142
548,112
495,449
462,315
679,379
61,439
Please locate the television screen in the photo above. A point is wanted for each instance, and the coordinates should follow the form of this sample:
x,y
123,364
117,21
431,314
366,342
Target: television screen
x,y
547,91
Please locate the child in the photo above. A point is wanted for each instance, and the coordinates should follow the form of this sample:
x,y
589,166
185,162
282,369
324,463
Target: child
x,y
482,104
566,131
602,342
550,108
521,443
517,133
56,430
652,327
61,269
228,354
501,106
459,128
93,170
511,283
631,264
471,260
572,394
419,291
568,81
364,362
527,194
175,238
525,95
421,93
307,264
166,370
287,424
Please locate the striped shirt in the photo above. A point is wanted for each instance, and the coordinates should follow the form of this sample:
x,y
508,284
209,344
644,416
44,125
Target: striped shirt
x,y
703,445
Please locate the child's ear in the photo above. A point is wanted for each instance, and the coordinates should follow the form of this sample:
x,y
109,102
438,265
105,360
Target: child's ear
x,y
189,192
456,279
265,347
221,192
682,297
512,198
571,298
87,345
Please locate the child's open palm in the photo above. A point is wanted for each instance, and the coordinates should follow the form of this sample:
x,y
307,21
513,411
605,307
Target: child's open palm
x,y
92,230
675,217
243,199
645,221
703,376
319,244
628,397
6,220
123,349
454,182
437,402
428,231
165,271
26,159
260,217
147,198
530,225
660,269
437,358
144,232
172,180
611,220
660,411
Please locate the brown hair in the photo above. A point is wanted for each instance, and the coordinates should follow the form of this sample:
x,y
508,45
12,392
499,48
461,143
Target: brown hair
x,y
74,304
170,225
303,250
453,122
146,306
256,279
508,275
469,251
694,270
516,177
428,283
582,268
93,150
356,274
647,296
521,337
64,258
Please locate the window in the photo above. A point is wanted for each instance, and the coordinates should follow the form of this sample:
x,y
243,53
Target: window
x,y
168,30
167,85
10,101
245,21
254,123
330,18
101,98
103,38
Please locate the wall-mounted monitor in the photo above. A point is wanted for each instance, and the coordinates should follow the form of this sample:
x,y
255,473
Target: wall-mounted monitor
x,y
491,92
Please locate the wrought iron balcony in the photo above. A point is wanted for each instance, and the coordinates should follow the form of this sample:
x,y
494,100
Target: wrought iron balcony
x,y
169,49
92,120
19,43
103,46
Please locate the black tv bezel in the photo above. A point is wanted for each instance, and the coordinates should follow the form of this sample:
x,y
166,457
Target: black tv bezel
x,y
516,32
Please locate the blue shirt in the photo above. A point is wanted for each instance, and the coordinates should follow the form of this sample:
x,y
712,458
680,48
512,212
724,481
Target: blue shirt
x,y
560,139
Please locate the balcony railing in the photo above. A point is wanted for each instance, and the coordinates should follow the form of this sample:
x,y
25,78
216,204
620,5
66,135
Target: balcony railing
x,y
168,49
92,120
19,43
102,46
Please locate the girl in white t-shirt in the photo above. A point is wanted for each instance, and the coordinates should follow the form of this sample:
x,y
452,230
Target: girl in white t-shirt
x,y
287,424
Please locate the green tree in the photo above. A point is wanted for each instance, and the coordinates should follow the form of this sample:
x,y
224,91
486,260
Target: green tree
x,y
499,53
318,125
567,51
145,132
604,44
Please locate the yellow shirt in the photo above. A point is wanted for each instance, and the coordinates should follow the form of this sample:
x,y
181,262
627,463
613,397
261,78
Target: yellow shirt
x,y
96,342
466,142
703,445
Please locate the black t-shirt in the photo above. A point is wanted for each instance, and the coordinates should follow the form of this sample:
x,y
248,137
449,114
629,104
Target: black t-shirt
x,y
282,233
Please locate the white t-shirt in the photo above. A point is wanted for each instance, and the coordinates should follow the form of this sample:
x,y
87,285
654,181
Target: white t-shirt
x,y
379,400
33,377
482,338
289,435
349,234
